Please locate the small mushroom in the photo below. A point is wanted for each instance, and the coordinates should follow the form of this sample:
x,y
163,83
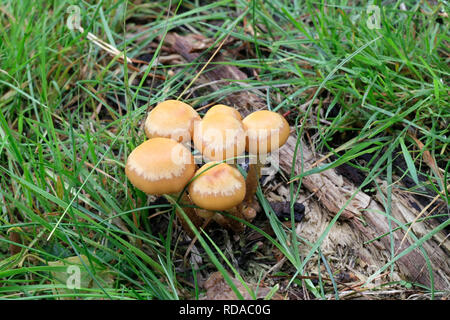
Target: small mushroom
x,y
224,111
219,187
266,131
171,119
162,166
219,137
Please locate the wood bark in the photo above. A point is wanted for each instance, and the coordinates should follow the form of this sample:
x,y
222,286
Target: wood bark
x,y
367,216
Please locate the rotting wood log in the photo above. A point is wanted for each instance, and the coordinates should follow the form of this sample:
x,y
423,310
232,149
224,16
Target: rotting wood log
x,y
367,215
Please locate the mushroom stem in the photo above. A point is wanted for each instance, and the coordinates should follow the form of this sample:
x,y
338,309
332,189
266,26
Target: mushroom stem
x,y
253,175
187,206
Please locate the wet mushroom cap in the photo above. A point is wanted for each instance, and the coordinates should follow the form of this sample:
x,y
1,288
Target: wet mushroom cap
x,y
160,166
171,119
224,111
266,131
219,137
219,187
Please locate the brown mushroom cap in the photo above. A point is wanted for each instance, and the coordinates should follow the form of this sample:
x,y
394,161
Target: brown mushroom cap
x,y
224,111
171,119
160,166
221,187
219,137
266,131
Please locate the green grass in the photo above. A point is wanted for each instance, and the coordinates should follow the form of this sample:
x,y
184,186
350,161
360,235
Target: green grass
x,y
63,189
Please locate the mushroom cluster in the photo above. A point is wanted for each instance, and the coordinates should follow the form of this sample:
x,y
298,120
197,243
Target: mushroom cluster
x,y
164,164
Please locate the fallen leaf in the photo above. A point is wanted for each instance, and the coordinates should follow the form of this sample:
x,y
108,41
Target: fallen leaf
x,y
218,289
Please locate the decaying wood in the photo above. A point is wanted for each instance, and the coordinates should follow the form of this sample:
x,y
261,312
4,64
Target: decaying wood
x,y
367,216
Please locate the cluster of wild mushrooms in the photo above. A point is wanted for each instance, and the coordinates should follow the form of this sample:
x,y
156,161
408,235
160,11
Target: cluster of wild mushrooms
x,y
164,164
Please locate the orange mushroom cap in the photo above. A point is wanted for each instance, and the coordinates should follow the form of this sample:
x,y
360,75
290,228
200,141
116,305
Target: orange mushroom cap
x,y
219,187
171,119
266,131
160,166
224,111
219,137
